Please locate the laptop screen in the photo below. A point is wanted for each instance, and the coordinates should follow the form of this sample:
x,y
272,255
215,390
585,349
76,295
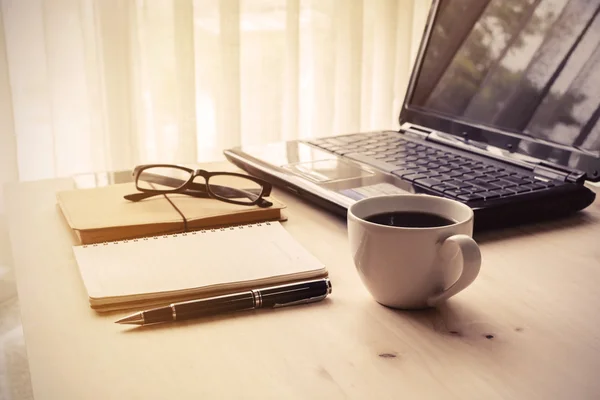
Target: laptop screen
x,y
524,74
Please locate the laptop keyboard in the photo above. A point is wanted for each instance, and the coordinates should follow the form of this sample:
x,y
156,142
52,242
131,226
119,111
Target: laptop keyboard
x,y
449,174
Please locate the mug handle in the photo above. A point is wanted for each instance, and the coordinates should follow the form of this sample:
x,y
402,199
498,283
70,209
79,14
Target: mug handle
x,y
471,262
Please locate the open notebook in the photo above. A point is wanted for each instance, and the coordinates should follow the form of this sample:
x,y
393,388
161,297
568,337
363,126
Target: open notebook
x,y
162,269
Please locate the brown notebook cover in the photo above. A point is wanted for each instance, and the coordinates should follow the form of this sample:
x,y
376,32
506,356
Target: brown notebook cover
x,y
102,214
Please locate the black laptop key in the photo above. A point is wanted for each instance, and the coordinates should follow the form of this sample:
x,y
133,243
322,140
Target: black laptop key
x,y
476,189
405,172
471,189
455,193
467,171
546,184
504,183
478,167
410,165
510,191
428,182
504,192
468,165
443,170
515,179
534,186
520,189
454,174
491,194
447,156
484,184
413,177
470,197
494,174
455,167
443,187
477,175
468,177
537,186
457,183
443,177
463,162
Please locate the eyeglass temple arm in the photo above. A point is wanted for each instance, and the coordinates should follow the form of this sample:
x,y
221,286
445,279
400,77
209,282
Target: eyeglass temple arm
x,y
144,195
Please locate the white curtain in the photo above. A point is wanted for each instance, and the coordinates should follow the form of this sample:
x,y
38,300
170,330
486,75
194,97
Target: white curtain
x,y
99,85
102,85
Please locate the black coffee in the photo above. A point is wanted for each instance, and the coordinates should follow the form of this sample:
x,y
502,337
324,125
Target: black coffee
x,y
410,219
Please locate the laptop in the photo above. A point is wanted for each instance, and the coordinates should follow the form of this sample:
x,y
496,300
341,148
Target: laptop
x,y
501,113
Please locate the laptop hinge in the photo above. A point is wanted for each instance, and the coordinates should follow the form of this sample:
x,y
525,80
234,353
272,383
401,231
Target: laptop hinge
x,y
416,132
554,171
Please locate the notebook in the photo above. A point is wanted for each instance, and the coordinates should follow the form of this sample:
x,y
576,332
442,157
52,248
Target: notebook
x,y
501,113
159,270
102,214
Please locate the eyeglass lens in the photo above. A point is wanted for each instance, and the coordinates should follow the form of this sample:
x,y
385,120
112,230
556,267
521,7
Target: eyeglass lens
x,y
162,178
229,187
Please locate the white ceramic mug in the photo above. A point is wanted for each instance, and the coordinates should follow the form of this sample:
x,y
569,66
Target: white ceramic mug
x,y
412,268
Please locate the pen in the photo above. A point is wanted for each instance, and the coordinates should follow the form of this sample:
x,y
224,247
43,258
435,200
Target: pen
x,y
268,297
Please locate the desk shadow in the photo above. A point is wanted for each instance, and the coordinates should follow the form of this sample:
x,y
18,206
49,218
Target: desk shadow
x,y
455,320
129,329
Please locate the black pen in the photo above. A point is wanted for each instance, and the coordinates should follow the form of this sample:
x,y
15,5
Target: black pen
x,y
268,297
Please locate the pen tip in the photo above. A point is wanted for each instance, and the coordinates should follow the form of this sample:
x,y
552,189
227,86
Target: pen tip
x,y
134,319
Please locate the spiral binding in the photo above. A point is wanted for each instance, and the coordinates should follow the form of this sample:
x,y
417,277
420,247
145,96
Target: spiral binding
x,y
173,235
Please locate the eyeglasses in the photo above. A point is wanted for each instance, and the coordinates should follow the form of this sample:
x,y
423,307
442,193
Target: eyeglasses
x,y
156,179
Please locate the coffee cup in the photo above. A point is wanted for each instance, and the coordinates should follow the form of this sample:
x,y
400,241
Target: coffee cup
x,y
413,251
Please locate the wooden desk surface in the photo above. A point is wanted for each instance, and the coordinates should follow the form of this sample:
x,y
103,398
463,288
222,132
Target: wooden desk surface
x,y
528,328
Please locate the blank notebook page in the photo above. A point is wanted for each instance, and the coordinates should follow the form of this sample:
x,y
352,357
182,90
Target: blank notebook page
x,y
258,253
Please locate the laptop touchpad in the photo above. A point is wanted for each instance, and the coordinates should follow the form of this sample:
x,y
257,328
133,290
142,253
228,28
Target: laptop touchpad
x,y
328,170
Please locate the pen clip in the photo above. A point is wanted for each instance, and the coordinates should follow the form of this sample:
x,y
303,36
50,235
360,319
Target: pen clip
x,y
302,301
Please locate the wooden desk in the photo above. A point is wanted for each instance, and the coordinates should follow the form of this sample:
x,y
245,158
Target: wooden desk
x,y
528,328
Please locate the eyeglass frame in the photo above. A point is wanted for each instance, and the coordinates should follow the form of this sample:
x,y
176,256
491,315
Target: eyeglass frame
x,y
195,189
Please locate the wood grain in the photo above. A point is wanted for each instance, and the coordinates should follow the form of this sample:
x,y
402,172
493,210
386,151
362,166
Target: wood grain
x,y
528,328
